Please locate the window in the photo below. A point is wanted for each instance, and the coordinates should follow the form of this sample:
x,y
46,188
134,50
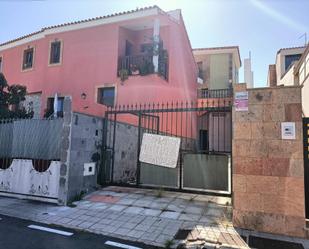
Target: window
x,y
231,67
28,58
289,59
106,96
200,70
0,64
55,52
50,107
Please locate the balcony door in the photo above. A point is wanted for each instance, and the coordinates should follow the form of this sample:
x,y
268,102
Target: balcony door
x,y
129,49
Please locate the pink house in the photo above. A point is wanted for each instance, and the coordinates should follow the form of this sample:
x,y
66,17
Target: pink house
x,y
140,56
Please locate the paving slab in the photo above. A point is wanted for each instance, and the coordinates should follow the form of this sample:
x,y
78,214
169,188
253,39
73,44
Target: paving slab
x,y
133,214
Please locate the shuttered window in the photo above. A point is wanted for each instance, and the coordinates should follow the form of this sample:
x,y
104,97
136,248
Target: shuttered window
x,y
55,52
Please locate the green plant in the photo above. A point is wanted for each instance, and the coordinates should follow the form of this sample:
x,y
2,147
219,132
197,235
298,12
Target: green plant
x,y
79,196
11,97
191,198
159,192
123,74
146,67
95,157
168,244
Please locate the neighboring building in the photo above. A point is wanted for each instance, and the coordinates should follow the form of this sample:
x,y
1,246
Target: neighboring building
x,y
218,71
218,66
284,67
301,73
140,56
248,73
291,69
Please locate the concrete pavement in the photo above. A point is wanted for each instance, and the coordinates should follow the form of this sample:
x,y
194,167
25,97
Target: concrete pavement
x,y
139,215
16,234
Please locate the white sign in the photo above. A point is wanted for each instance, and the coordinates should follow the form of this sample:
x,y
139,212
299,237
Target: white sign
x,y
160,150
288,130
241,101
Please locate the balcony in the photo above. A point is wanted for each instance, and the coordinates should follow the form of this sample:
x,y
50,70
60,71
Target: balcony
x,y
216,93
142,64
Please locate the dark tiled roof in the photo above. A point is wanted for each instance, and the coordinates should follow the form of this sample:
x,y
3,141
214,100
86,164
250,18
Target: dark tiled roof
x,y
214,48
81,21
290,48
218,48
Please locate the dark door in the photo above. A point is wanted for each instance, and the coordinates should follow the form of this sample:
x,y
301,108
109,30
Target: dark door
x,y
128,51
203,140
306,163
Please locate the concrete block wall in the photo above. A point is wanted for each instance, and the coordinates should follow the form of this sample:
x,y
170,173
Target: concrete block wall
x,y
86,139
268,172
65,151
126,141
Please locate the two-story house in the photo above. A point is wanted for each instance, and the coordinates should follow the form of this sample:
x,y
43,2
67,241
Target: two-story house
x,y
139,56
218,69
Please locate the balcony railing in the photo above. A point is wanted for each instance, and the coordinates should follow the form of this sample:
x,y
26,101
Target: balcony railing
x,y
142,64
217,93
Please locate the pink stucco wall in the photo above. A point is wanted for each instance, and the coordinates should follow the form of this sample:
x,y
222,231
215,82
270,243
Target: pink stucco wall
x,y
89,60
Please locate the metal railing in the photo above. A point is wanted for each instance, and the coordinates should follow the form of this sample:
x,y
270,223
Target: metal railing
x,y
217,93
135,64
142,64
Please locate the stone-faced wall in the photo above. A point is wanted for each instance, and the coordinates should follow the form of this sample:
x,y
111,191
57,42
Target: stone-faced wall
x,y
268,175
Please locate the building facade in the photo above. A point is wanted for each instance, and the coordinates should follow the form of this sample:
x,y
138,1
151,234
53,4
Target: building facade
x,y
282,72
218,66
291,69
248,73
301,75
140,56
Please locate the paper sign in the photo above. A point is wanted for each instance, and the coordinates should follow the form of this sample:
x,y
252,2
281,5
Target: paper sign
x,y
241,101
288,130
160,150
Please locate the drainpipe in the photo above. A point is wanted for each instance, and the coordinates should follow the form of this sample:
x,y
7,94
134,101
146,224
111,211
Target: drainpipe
x,y
156,41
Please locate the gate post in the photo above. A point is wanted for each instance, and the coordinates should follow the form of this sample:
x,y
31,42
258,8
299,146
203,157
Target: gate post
x,y
102,168
138,163
268,167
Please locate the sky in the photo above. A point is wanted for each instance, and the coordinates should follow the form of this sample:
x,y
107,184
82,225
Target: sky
x,y
259,26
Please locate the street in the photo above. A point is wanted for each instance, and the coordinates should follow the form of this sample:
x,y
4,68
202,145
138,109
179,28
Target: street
x,y
16,234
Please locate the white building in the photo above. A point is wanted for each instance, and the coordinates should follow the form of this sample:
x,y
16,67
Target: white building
x,y
248,73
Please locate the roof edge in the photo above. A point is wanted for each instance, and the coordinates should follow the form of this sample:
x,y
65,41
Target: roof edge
x,y
81,22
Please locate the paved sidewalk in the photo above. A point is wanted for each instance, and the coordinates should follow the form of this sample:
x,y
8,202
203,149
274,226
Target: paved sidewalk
x,y
149,216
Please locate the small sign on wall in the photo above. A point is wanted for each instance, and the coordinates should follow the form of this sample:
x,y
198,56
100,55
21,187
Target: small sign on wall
x,y
241,101
288,130
89,169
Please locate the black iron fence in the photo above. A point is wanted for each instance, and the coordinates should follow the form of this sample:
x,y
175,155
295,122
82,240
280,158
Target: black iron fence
x,y
204,131
216,93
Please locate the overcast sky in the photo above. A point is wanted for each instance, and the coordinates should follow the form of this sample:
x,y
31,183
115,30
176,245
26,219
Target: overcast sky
x,y
262,27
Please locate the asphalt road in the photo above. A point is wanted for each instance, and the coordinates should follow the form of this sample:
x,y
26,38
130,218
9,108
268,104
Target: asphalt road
x,y
15,234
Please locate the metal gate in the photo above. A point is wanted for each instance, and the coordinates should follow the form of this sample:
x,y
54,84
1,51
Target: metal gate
x,y
205,132
306,163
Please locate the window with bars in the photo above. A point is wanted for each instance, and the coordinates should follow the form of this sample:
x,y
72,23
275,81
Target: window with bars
x,y
55,52
28,58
